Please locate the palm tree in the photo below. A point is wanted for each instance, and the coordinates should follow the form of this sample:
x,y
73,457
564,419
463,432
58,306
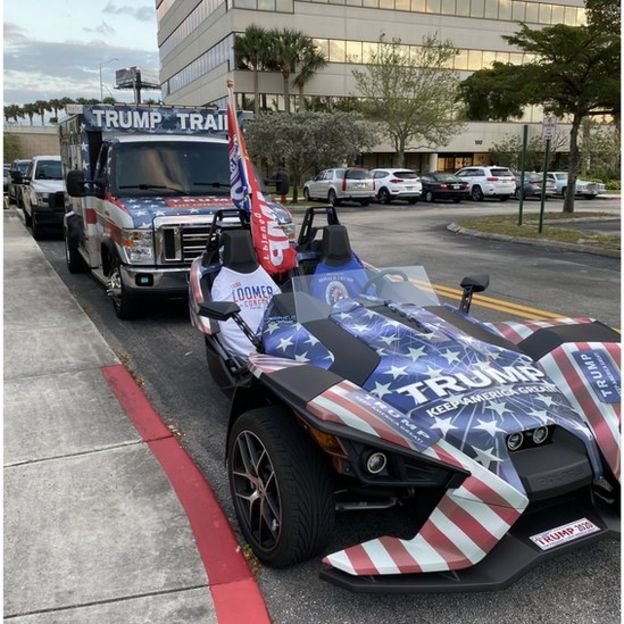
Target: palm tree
x,y
287,48
55,105
65,101
29,111
311,61
12,111
251,51
41,106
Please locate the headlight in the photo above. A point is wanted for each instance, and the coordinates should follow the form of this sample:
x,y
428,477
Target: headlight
x,y
139,246
42,198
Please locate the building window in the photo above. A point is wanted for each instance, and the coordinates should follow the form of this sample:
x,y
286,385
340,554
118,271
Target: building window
x,y
570,16
433,6
491,9
477,8
354,51
504,10
545,11
419,6
448,7
336,51
461,59
532,12
475,60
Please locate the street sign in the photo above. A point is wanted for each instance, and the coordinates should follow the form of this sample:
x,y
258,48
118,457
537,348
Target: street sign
x,y
549,127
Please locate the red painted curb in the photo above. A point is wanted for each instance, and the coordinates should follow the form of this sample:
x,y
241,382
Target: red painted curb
x,y
235,593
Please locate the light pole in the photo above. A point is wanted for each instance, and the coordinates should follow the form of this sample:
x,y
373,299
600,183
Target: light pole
x,y
110,60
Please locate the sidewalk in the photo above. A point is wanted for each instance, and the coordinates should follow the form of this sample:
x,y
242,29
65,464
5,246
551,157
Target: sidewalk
x,y
106,518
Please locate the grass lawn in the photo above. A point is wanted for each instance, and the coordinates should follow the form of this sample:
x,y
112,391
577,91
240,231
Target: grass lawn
x,y
508,225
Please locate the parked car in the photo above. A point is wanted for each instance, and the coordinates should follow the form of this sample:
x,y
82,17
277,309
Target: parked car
x,y
533,186
584,188
17,167
43,196
390,184
498,182
7,177
342,184
438,185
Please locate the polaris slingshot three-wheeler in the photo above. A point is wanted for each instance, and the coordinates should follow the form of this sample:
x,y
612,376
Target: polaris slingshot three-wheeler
x,y
352,388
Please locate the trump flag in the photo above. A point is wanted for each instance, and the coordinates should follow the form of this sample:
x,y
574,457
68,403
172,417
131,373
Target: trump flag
x,y
274,251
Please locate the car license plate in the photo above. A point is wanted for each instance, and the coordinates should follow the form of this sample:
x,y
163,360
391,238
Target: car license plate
x,y
564,533
359,185
409,188
455,186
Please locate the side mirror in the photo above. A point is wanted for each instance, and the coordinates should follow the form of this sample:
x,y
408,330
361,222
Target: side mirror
x,y
472,284
225,310
75,183
16,177
26,180
218,310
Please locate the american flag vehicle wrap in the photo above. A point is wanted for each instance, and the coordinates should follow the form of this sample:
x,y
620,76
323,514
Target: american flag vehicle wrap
x,y
454,398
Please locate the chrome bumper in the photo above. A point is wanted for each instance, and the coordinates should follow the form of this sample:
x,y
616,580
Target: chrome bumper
x,y
165,281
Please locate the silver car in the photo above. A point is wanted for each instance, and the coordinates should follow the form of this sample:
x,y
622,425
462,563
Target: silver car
x,y
342,184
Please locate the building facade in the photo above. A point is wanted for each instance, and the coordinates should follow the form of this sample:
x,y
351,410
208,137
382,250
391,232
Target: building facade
x,y
196,37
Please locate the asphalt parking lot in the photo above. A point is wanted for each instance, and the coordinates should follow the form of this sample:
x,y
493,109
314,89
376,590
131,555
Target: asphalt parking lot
x,y
167,354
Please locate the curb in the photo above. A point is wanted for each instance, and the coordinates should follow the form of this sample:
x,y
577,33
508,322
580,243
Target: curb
x,y
608,197
234,590
453,227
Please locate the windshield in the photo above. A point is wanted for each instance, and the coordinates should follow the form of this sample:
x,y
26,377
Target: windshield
x,y
357,174
561,176
22,167
442,177
48,170
171,168
332,292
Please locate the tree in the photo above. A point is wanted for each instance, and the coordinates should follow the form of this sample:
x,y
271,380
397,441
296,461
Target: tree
x,y
55,106
573,74
311,61
308,141
506,152
12,111
10,147
604,15
41,106
600,150
251,50
414,97
29,111
286,49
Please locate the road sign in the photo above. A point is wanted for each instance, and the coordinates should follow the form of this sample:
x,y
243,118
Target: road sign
x,y
549,127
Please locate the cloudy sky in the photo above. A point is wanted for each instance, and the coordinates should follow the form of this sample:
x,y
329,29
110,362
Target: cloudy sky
x,y
52,48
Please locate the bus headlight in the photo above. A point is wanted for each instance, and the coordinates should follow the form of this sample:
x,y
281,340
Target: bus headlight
x,y
139,246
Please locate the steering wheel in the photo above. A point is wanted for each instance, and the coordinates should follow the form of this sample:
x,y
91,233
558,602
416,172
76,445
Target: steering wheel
x,y
382,274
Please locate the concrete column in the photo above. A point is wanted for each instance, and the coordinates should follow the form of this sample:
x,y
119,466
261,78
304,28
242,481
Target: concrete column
x,y
433,161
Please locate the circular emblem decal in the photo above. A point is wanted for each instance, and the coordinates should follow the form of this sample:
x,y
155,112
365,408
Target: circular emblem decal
x,y
335,291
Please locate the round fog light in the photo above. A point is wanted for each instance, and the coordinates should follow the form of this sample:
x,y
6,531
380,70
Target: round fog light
x,y
514,441
540,434
376,462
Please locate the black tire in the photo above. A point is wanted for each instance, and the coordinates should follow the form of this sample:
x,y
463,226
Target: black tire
x,y
300,491
306,193
75,262
364,202
429,197
476,193
503,198
517,194
590,197
412,201
125,304
383,196
563,191
35,226
332,199
456,200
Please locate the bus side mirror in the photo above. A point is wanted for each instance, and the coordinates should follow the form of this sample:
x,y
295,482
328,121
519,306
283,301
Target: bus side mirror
x,y
75,183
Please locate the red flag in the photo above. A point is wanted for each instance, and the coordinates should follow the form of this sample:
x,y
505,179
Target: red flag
x,y
273,248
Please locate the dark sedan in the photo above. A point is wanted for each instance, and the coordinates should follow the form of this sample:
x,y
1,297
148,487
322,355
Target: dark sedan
x,y
443,186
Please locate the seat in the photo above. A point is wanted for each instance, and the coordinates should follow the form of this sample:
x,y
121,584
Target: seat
x,y
242,280
340,273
